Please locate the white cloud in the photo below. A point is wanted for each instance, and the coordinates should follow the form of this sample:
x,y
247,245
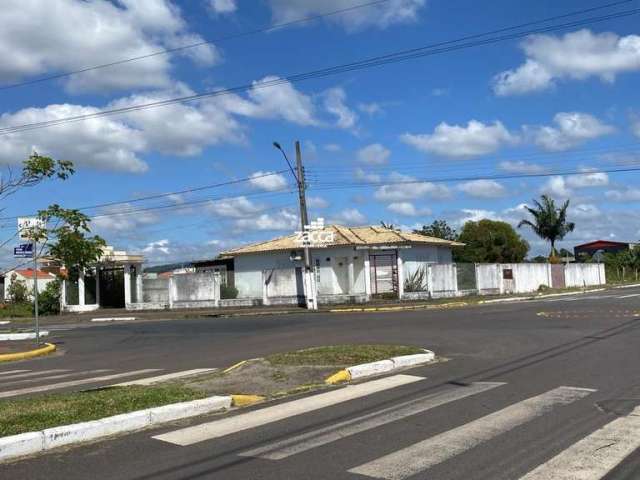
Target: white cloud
x,y
159,246
571,129
576,55
234,207
635,126
629,194
381,15
268,181
223,6
364,176
407,209
334,103
113,220
317,202
350,216
115,30
483,189
459,141
520,167
284,220
370,109
584,211
332,147
405,187
374,154
556,187
474,215
588,179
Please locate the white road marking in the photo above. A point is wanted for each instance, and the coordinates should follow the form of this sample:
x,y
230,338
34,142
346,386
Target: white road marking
x,y
263,416
34,374
595,455
73,383
164,378
54,377
432,451
322,436
9,372
629,296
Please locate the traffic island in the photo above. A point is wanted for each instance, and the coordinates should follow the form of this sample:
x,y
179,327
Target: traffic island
x,y
11,351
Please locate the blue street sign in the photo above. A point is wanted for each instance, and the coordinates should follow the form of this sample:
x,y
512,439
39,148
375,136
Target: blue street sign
x,y
24,250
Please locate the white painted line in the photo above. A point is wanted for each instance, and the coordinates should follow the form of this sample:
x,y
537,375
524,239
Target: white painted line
x,y
73,383
629,296
595,455
10,372
4,337
54,377
263,416
432,451
113,319
323,436
167,377
34,374
5,322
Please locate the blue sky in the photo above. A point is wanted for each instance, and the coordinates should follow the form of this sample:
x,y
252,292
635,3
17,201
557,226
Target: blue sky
x,y
558,102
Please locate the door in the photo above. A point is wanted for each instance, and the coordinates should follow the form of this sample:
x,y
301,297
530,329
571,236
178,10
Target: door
x,y
112,287
384,273
557,275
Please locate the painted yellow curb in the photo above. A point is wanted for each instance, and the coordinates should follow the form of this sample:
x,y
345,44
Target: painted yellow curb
x,y
246,400
234,366
9,357
339,377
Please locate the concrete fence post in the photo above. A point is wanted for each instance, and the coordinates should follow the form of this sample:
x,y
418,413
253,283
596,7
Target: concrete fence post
x,y
172,289
265,296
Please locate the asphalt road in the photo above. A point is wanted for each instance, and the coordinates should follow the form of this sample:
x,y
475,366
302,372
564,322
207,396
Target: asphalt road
x,y
532,390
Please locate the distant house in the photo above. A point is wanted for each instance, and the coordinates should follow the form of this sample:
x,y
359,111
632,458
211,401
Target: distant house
x,y
358,263
26,275
605,246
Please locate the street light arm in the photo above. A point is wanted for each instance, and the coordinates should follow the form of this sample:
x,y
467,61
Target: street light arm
x,y
277,145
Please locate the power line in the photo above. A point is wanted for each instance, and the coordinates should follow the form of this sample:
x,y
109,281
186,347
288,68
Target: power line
x,y
395,57
166,51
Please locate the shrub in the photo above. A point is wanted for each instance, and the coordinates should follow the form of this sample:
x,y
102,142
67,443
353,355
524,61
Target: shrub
x,y
228,291
49,299
18,290
417,281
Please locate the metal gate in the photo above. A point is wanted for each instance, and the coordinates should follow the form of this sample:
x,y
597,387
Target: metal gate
x,y
384,272
557,275
112,287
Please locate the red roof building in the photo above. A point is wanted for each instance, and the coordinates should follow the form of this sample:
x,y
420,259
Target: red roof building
x,y
606,246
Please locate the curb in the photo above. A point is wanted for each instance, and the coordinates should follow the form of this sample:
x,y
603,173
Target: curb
x,y
22,336
114,319
246,400
382,366
35,442
38,352
400,308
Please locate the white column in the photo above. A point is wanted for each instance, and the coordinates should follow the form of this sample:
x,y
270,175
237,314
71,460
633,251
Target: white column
x,y
127,283
400,275
139,292
81,288
350,275
98,285
367,273
265,297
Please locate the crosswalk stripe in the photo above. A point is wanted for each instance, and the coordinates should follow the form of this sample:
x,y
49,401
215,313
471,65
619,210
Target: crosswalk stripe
x,y
263,416
595,455
168,376
73,383
53,377
432,451
9,372
323,436
34,374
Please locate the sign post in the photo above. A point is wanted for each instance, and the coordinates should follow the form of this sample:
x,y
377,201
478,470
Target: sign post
x,y
29,228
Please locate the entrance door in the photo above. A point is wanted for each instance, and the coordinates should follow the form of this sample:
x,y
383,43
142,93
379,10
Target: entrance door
x,y
557,275
112,287
384,273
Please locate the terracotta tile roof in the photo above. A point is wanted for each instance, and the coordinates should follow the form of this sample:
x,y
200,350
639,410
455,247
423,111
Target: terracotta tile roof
x,y
346,236
28,273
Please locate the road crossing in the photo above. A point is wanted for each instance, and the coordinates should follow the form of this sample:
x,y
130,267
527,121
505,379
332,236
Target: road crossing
x,y
16,383
589,458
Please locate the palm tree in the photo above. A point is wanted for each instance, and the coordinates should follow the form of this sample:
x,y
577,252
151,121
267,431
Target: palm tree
x,y
549,222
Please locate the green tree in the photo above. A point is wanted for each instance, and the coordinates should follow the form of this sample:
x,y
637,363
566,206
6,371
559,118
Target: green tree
x,y
49,299
18,291
549,222
489,241
388,226
438,229
35,169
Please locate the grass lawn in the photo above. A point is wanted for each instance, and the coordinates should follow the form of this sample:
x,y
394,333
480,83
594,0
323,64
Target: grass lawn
x,y
38,413
341,355
15,310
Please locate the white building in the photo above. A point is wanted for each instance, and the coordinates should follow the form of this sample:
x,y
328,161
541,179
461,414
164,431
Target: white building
x,y
359,263
26,275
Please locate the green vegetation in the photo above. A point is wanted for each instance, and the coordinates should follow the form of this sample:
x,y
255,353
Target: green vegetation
x,y
18,290
341,355
38,413
490,241
549,222
438,229
16,310
228,291
49,299
416,281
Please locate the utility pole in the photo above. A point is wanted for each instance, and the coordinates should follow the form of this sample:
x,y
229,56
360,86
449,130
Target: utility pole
x,y
35,288
309,281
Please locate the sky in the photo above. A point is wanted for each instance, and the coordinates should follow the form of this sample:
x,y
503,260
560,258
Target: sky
x,y
406,143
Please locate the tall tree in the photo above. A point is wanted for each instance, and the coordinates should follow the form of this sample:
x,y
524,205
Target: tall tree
x,y
35,170
490,241
438,229
549,222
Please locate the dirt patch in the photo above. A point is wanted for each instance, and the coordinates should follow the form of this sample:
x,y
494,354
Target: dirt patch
x,y
261,377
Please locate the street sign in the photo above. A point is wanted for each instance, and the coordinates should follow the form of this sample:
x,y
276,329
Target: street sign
x,y
24,250
27,225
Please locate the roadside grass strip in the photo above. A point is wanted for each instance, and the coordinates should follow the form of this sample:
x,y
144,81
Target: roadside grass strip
x,y
342,354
